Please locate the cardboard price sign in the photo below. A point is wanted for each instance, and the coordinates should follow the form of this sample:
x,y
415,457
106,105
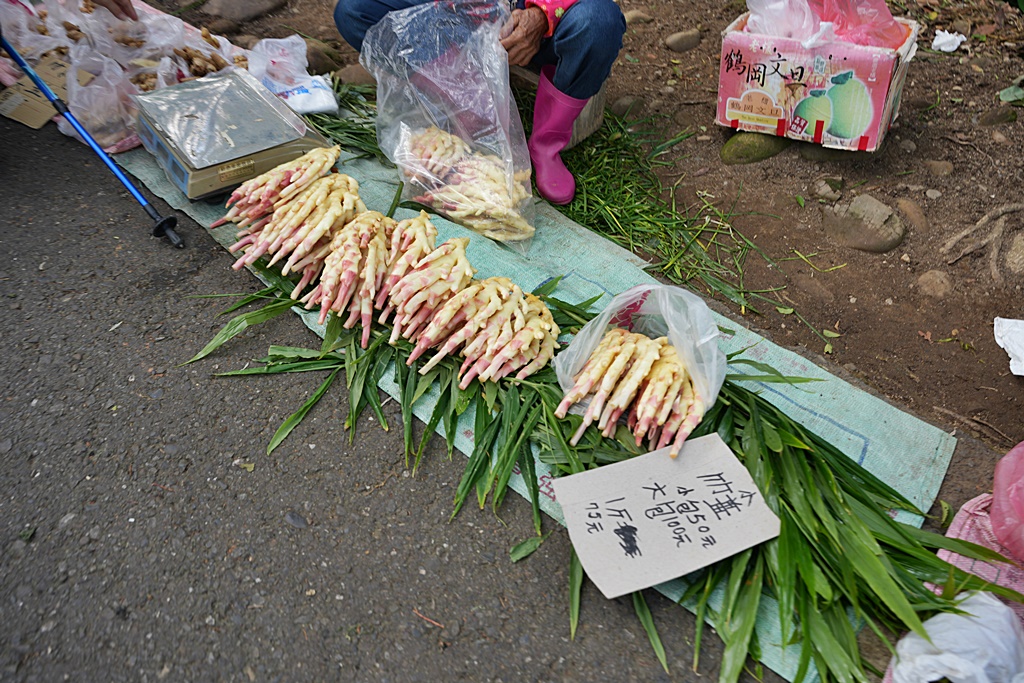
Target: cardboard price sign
x,y
650,519
25,104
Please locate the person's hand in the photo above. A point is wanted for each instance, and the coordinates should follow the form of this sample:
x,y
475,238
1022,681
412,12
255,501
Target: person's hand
x,y
122,9
523,42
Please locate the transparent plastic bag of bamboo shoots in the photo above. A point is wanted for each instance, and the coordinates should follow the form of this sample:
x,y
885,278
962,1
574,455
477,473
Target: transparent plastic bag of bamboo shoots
x,y
657,311
446,116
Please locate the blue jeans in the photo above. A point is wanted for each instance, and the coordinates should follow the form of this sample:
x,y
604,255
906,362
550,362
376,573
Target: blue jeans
x,y
583,48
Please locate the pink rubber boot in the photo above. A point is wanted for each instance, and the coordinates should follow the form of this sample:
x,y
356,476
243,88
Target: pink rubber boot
x,y
553,115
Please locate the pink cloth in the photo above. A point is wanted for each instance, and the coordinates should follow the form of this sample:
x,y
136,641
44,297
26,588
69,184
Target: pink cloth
x,y
972,523
553,10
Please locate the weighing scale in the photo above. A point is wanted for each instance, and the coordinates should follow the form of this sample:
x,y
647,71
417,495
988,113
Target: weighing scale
x,y
213,133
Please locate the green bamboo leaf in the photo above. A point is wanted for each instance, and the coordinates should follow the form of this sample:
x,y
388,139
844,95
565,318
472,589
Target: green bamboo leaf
x,y
770,379
295,418
483,486
240,323
547,287
947,514
529,472
784,580
441,408
575,590
806,649
485,430
370,392
406,378
737,624
790,439
767,370
332,333
866,563
461,400
490,394
560,442
647,621
273,277
266,293
300,366
712,578
275,353
523,550
395,200
525,427
424,382
772,440
738,566
833,660
362,370
351,362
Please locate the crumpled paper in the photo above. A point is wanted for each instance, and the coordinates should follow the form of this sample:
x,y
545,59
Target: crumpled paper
x,y
945,41
1009,335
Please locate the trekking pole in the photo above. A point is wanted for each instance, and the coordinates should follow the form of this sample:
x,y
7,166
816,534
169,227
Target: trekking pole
x,y
164,227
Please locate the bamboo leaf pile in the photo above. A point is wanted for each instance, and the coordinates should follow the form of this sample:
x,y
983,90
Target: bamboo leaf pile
x,y
840,561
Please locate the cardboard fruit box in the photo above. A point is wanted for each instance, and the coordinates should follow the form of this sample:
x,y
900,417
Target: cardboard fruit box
x,y
837,94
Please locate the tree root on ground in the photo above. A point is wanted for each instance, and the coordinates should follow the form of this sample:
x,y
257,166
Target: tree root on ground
x,y
993,240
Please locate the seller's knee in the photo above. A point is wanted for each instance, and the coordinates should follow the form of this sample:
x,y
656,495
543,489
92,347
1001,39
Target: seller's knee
x,y
352,17
600,20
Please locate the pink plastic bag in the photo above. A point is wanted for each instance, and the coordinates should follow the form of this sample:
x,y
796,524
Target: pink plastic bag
x,y
1008,502
864,22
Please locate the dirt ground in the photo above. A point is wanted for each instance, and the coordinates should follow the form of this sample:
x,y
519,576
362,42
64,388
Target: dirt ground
x,y
931,351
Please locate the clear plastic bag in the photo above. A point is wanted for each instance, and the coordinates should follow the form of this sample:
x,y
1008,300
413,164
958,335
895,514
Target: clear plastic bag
x,y
985,645
281,65
655,310
1008,502
103,106
864,22
446,117
782,18
29,34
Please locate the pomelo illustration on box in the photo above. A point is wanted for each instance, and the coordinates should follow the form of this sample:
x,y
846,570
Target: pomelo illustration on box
x,y
836,94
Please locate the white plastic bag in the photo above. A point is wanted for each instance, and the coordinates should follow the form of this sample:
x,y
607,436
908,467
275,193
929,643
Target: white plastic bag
x,y
20,27
281,65
103,106
782,18
655,310
985,645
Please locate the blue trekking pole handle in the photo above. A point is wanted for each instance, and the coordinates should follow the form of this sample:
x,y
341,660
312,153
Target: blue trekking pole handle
x,y
164,226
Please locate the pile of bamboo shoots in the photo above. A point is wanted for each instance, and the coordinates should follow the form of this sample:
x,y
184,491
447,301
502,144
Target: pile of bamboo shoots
x,y
631,374
468,187
361,261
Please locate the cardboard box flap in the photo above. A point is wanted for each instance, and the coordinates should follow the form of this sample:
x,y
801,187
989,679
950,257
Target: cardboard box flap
x,y
25,104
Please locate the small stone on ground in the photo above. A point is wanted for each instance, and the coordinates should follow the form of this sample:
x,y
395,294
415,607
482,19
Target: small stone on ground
x,y
747,148
865,224
683,41
241,11
935,284
355,74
